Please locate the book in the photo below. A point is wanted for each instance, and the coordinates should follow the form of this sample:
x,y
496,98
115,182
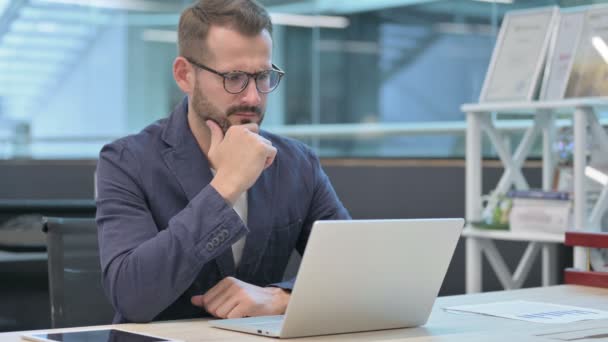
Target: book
x,y
540,215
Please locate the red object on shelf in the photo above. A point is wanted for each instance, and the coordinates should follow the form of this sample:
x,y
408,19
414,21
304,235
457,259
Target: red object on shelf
x,y
585,277
583,239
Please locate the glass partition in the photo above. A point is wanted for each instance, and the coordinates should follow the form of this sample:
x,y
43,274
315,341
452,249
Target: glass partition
x,y
75,74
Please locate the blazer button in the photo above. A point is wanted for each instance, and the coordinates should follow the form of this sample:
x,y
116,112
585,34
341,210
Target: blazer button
x,y
210,246
215,241
224,234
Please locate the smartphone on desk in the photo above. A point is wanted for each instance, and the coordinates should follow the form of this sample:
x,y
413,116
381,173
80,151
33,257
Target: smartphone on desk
x,y
102,335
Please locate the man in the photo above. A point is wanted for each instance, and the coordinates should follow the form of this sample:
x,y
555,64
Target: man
x,y
199,213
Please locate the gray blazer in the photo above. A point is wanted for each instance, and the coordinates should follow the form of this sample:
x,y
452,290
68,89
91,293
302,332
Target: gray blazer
x,y
166,235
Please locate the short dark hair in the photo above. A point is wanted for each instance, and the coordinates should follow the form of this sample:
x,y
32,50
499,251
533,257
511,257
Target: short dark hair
x,y
248,17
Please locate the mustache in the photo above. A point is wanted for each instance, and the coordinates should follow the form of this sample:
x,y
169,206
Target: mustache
x,y
237,109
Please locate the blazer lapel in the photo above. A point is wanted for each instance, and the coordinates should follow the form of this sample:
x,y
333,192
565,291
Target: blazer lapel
x,y
191,168
259,220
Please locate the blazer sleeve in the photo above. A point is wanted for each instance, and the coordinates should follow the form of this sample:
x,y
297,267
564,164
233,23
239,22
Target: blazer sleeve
x,y
324,205
145,268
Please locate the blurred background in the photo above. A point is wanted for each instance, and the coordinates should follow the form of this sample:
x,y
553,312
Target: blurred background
x,y
374,86
75,74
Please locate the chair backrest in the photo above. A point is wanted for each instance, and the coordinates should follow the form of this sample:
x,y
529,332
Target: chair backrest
x,y
588,277
76,294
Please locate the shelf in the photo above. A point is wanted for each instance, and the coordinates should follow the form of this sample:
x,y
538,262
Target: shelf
x,y
479,242
525,107
508,235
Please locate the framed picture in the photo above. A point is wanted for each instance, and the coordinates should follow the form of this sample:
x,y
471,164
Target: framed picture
x,y
519,55
589,74
561,54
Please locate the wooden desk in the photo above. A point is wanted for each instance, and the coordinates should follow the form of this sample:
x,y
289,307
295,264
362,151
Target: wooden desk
x,y
442,326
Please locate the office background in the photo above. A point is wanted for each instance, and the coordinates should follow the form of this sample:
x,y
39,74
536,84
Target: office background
x,y
75,74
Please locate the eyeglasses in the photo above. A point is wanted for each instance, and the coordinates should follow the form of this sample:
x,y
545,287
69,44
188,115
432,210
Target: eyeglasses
x,y
236,81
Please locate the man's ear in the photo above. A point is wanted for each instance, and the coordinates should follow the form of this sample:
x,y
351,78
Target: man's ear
x,y
183,73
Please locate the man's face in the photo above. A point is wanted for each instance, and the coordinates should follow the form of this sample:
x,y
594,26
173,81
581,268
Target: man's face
x,y
231,51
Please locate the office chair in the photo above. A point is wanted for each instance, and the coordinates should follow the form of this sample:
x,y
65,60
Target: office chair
x,y
76,294
586,277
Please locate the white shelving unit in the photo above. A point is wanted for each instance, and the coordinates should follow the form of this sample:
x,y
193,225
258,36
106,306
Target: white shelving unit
x,y
479,241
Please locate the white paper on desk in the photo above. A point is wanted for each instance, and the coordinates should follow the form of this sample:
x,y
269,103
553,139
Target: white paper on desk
x,y
533,311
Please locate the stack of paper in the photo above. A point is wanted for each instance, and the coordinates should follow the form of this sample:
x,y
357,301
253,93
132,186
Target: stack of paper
x,y
533,311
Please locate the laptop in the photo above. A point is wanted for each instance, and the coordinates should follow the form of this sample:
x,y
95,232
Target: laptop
x,y
362,275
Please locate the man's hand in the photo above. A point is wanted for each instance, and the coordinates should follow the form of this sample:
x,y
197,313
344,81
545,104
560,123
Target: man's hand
x,y
232,298
238,158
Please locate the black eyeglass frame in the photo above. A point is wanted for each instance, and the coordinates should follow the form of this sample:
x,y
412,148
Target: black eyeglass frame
x,y
255,76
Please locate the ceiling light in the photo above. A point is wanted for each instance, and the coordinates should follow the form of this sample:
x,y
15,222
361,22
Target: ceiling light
x,y
324,21
7,66
22,26
497,1
63,15
127,5
32,53
25,40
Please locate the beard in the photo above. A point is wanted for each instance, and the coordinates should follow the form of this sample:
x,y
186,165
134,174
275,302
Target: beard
x,y
206,110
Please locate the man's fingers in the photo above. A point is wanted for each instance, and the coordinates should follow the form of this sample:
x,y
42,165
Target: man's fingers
x,y
271,151
212,293
219,301
243,300
238,311
270,158
197,301
225,308
264,140
252,127
216,133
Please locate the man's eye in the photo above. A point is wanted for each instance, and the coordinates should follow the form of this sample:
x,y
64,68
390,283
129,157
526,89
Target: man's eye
x,y
234,77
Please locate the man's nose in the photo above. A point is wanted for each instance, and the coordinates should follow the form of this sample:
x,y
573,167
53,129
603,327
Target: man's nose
x,y
251,95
